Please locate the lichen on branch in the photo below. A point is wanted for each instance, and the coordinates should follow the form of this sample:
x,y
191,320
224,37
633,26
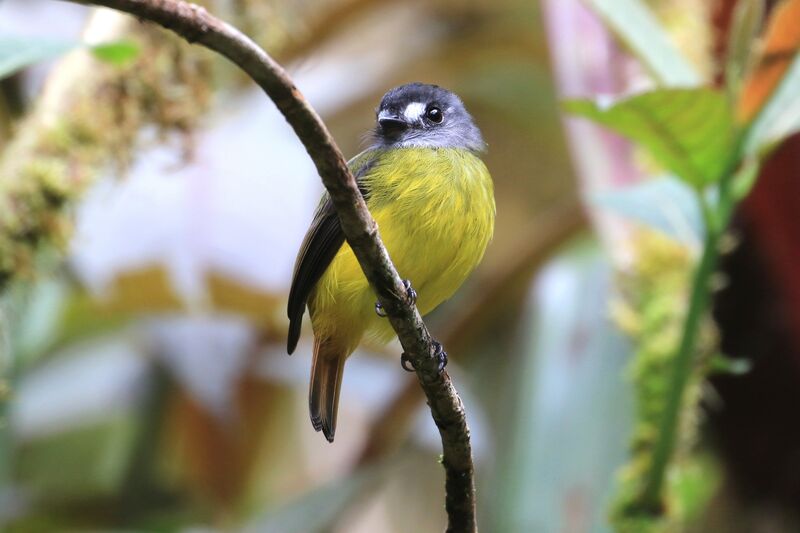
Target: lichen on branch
x,y
87,121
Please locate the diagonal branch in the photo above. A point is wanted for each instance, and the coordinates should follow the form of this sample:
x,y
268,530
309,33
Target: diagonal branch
x,y
195,24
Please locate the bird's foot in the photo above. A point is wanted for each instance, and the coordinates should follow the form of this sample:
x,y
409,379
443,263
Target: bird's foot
x,y
441,355
411,298
411,294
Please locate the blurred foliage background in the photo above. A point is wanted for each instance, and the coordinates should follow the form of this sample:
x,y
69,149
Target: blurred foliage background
x,y
151,206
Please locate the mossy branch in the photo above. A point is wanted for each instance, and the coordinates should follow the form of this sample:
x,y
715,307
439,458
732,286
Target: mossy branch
x,y
196,25
87,118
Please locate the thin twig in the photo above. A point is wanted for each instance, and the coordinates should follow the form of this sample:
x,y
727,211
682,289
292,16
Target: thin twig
x,y
196,25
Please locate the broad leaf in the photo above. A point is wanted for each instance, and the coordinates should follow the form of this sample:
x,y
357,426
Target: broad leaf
x,y
317,509
569,367
118,53
19,52
38,310
747,18
688,131
638,28
781,44
664,204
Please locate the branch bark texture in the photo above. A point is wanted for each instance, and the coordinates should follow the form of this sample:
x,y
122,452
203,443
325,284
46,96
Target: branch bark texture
x,y
196,25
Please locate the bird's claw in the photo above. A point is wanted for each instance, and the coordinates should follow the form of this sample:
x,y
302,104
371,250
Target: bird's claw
x,y
411,297
441,356
405,362
411,294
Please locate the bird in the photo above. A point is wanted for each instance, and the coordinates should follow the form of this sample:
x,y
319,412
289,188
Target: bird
x,y
432,198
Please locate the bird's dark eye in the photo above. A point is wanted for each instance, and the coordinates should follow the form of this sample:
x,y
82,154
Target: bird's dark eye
x,y
434,114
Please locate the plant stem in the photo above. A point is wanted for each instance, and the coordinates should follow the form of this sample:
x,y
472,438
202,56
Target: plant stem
x,y
681,371
716,219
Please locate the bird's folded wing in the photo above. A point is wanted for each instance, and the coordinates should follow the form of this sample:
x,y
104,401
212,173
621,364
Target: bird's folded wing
x,y
320,245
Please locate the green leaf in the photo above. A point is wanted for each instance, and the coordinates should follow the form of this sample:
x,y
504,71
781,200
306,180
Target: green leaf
x,y
318,508
780,117
692,483
721,364
688,131
569,366
38,318
95,458
747,18
638,28
19,52
118,53
664,204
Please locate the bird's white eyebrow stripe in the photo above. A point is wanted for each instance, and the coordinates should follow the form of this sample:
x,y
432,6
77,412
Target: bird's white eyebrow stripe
x,y
414,110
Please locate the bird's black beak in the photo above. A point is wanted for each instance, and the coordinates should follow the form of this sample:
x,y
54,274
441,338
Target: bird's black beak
x,y
391,124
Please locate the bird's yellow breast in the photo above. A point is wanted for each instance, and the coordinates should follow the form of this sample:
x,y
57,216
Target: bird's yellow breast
x,y
435,211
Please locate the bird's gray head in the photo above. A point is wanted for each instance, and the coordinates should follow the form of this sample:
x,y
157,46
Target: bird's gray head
x,y
420,115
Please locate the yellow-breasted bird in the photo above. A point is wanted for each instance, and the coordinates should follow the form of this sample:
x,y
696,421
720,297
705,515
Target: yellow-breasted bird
x,y
433,200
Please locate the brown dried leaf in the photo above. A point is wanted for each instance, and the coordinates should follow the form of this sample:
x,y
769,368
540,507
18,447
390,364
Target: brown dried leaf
x,y
781,45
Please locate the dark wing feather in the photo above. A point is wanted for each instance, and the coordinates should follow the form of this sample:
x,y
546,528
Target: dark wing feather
x,y
320,245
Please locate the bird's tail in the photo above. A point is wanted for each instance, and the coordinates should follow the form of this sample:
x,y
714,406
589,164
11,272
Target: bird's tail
x,y
326,381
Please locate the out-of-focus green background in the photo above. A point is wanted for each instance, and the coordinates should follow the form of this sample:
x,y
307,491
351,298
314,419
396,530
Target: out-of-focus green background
x,y
147,383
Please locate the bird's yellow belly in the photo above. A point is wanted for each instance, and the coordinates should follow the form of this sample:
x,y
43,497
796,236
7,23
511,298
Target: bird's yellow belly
x,y
435,217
